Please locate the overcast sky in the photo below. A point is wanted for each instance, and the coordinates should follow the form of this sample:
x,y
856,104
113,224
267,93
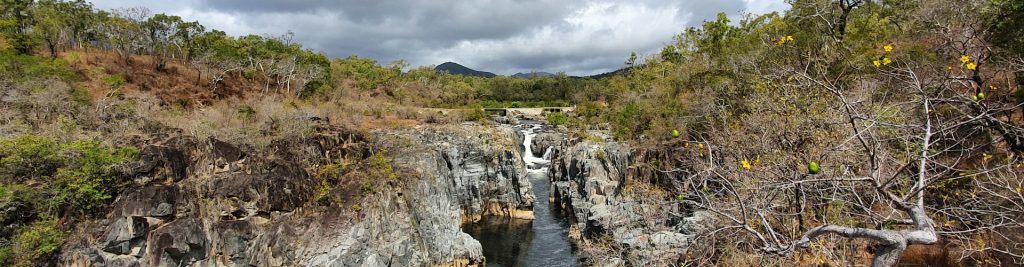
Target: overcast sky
x,y
501,36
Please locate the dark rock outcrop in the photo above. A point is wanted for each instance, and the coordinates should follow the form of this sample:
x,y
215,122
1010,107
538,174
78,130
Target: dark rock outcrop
x,y
593,180
543,141
213,203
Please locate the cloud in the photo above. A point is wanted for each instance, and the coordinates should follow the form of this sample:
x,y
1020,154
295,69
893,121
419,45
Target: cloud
x,y
502,36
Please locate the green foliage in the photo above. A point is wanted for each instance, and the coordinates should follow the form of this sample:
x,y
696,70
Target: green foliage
x,y
246,111
558,118
475,114
28,157
80,96
79,174
15,20
87,179
627,121
114,81
328,175
367,74
20,203
33,243
523,104
27,67
381,165
1007,27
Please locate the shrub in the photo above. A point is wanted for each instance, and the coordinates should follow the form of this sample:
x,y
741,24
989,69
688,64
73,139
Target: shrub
x,y
26,67
114,81
627,121
557,118
33,243
80,173
246,111
27,157
382,165
80,96
327,174
87,180
19,203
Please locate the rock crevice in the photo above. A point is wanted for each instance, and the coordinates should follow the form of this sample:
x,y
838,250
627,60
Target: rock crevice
x,y
211,203
595,183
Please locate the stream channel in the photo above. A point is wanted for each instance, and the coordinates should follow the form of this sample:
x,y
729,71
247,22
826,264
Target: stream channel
x,y
542,241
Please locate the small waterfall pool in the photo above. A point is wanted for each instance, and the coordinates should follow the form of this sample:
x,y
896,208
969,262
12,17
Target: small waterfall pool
x,y
542,241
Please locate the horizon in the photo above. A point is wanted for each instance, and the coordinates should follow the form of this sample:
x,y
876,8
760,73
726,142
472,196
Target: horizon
x,y
580,39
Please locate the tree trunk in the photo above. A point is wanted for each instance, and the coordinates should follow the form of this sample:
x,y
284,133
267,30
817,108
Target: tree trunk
x,y
53,48
889,255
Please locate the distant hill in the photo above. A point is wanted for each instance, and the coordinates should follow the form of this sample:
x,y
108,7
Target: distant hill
x,y
621,71
534,74
455,68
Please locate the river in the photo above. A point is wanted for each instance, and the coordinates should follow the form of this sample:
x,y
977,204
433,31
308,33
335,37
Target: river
x,y
542,241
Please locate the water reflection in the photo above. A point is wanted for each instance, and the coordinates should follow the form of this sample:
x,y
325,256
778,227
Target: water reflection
x,y
516,242
505,241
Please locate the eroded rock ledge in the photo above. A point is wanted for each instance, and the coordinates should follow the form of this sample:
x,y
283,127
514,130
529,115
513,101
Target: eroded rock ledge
x,y
594,182
205,202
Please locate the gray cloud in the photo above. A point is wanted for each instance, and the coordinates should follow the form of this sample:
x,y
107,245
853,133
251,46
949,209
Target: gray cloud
x,y
502,36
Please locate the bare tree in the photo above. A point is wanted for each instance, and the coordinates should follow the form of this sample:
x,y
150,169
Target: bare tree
x,y
894,171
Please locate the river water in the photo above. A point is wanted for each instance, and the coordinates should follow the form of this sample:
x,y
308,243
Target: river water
x,y
542,241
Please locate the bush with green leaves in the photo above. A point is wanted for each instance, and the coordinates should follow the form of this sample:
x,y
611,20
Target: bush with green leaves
x,y
115,81
28,157
32,243
558,118
27,67
78,174
67,178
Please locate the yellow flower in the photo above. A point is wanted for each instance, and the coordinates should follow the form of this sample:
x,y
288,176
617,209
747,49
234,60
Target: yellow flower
x,y
781,41
745,164
886,61
789,38
700,145
877,63
964,59
972,66
986,156
888,48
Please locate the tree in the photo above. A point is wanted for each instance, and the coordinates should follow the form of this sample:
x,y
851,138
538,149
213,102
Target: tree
x,y
124,32
631,60
52,23
163,33
83,20
186,37
15,21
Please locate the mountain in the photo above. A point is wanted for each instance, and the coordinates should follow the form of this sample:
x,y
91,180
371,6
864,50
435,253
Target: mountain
x,y
534,74
455,68
621,71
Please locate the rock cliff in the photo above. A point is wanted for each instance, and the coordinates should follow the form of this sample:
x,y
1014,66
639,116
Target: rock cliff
x,y
334,198
595,183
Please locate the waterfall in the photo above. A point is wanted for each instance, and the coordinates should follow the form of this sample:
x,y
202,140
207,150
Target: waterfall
x,y
533,163
547,153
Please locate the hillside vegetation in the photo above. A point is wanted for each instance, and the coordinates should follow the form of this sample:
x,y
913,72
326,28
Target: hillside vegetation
x,y
837,131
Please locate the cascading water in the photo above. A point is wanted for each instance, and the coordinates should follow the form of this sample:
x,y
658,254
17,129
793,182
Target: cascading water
x,y
515,242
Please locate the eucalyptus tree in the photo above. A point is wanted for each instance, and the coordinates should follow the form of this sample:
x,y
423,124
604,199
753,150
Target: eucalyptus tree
x,y
163,34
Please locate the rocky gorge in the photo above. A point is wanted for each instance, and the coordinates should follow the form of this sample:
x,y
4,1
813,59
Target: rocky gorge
x,y
619,218
204,202
402,197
